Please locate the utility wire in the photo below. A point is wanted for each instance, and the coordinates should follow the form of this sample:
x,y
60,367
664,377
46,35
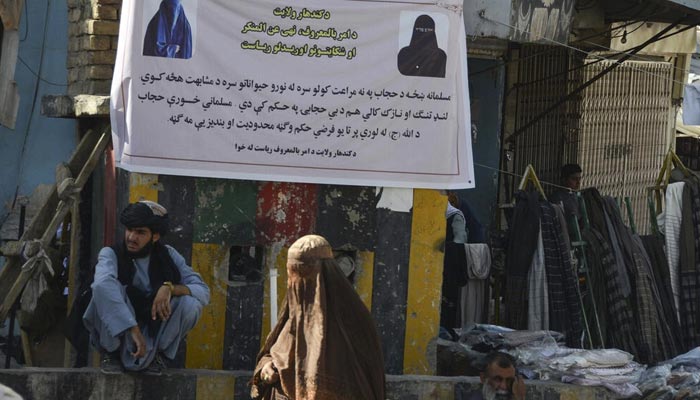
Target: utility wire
x,y
34,100
543,182
590,54
500,171
583,65
544,51
641,57
592,80
37,75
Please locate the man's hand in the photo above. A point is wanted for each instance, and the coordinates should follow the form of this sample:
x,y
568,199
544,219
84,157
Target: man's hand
x,y
161,304
519,388
139,340
269,373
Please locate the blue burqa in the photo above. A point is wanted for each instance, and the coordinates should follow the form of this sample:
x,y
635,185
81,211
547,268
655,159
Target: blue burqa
x,y
168,34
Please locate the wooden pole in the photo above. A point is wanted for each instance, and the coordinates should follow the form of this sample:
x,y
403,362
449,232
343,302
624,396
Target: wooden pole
x,y
11,271
50,231
75,228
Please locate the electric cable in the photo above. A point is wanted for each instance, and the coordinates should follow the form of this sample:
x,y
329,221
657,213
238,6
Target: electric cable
x,y
37,75
31,112
592,55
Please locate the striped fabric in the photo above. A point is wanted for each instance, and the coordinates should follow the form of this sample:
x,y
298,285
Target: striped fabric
x,y
672,232
621,328
645,312
689,308
564,304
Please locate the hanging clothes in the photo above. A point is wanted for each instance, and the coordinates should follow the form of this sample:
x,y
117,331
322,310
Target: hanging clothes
x,y
454,272
691,104
641,300
541,284
654,246
671,227
600,221
564,308
522,244
665,345
615,311
538,295
689,308
473,295
476,231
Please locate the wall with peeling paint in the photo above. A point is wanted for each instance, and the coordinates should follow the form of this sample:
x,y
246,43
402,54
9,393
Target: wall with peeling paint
x,y
30,151
236,234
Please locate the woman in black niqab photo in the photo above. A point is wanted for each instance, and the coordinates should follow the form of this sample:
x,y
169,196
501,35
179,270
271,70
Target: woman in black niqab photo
x,y
423,57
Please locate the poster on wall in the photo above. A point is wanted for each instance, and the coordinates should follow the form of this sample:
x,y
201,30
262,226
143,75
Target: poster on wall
x,y
370,93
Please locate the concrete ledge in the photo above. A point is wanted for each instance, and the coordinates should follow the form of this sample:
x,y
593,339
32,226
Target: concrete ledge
x,y
89,383
60,106
83,105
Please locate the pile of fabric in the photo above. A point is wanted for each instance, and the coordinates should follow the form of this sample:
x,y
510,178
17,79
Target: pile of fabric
x,y
678,378
541,355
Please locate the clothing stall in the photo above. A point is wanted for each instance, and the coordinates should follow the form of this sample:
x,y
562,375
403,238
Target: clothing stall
x,y
593,278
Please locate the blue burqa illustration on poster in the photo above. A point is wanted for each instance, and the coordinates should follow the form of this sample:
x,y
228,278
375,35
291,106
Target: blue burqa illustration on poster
x,y
169,33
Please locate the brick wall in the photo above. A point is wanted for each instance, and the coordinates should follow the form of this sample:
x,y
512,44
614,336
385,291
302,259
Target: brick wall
x,y
93,26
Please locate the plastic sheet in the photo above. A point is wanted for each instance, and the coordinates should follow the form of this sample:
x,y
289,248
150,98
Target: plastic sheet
x,y
690,359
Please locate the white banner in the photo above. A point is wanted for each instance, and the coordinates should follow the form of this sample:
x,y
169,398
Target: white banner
x,y
369,93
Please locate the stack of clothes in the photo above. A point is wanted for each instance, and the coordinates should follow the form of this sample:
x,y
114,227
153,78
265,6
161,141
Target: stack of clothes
x,y
678,378
541,355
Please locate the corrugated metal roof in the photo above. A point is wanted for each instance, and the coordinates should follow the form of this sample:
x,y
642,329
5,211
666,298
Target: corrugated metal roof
x,y
690,4
650,10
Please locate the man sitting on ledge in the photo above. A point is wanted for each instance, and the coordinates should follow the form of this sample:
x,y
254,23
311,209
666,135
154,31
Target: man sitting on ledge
x,y
499,380
145,298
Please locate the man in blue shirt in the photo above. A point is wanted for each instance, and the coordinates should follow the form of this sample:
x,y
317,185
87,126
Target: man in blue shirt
x,y
145,298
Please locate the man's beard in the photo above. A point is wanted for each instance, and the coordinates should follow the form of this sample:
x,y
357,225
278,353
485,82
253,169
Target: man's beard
x,y
490,393
145,251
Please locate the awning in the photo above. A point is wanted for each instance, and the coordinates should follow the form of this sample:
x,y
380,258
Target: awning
x,y
650,10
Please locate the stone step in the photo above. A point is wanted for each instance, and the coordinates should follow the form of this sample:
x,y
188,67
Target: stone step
x,y
90,383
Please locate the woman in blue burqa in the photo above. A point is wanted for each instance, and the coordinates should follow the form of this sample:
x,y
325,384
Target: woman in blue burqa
x,y
168,34
423,57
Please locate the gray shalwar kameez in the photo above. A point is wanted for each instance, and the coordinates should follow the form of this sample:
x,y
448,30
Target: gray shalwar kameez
x,y
110,314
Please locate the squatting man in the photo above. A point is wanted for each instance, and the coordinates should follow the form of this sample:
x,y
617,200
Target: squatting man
x,y
145,298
